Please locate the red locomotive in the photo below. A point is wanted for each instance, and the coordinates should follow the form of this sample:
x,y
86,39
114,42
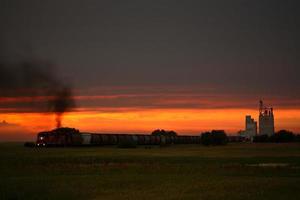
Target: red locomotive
x,y
59,137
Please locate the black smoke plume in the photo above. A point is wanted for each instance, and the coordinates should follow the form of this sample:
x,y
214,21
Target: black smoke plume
x,y
37,81
62,103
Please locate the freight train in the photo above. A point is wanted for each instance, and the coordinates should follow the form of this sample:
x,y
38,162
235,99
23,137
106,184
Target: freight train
x,y
72,137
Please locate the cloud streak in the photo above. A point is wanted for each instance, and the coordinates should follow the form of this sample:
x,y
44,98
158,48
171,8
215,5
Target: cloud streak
x,y
149,98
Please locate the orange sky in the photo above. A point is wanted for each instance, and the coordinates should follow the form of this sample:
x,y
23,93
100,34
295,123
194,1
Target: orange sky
x,y
135,67
184,121
142,110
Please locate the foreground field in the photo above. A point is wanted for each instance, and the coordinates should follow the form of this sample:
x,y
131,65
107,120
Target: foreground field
x,y
235,171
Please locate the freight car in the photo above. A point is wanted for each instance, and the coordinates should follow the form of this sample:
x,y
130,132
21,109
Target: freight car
x,y
72,137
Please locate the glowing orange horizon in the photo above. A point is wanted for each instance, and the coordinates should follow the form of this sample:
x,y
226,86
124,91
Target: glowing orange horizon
x,y
183,121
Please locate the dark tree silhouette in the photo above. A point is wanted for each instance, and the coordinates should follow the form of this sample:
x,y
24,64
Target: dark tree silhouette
x,y
283,136
215,137
297,137
261,139
162,132
206,138
219,137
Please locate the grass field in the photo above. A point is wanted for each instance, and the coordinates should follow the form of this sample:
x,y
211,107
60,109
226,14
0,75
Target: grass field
x,y
235,171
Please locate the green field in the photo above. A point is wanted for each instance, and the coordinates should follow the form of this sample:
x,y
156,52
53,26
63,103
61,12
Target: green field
x,y
235,171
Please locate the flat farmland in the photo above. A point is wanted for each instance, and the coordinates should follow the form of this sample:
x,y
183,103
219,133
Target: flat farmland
x,y
234,171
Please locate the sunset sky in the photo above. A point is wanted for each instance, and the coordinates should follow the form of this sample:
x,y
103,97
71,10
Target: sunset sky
x,y
136,66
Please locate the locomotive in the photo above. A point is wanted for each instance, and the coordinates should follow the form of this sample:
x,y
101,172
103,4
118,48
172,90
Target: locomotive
x,y
73,137
59,137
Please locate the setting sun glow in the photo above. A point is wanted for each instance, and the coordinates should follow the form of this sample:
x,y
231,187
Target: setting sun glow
x,y
184,121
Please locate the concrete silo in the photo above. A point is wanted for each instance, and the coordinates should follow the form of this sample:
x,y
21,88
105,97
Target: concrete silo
x,y
266,120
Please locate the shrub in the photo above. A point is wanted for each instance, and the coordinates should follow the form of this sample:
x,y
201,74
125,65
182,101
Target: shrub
x,y
283,136
216,137
206,138
297,138
162,132
219,137
261,139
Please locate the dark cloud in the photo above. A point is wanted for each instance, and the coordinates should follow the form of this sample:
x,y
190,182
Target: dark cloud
x,y
239,47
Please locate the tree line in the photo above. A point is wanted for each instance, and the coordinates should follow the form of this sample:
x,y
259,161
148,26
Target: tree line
x,y
215,137
219,137
282,136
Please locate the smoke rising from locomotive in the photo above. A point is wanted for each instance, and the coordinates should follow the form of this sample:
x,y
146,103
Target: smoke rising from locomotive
x,y
62,103
32,80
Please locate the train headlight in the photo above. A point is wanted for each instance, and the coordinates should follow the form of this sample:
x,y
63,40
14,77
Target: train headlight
x,y
41,138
